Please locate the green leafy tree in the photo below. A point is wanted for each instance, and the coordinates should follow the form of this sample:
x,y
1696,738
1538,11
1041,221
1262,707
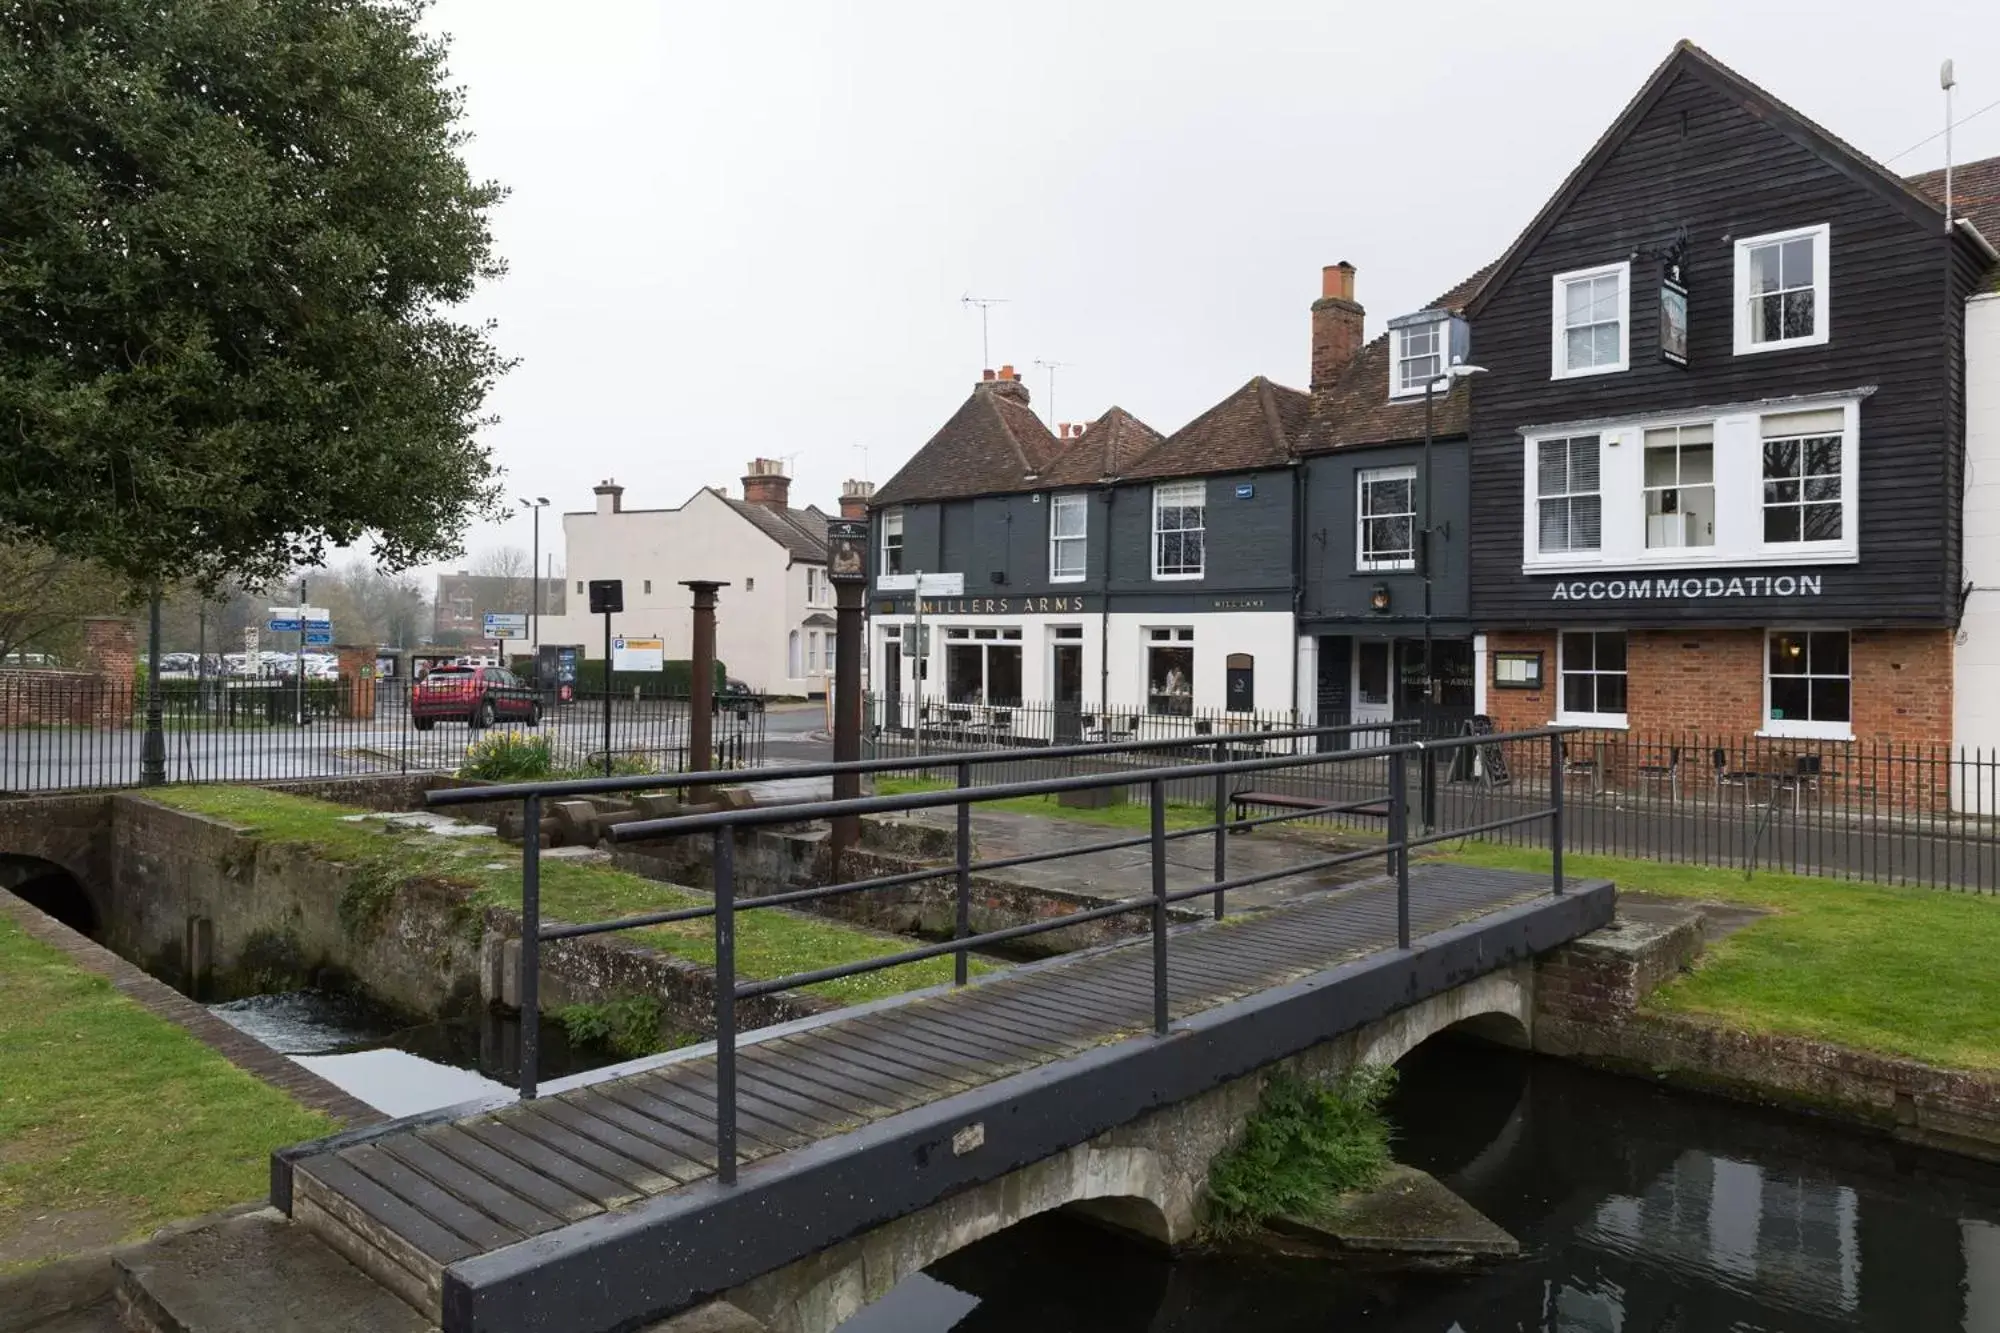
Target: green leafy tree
x,y
232,235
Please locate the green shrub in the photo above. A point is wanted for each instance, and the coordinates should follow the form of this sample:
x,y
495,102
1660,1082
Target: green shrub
x,y
509,756
676,682
1304,1147
628,1026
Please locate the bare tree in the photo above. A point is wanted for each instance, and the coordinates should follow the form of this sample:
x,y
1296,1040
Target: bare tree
x,y
514,565
44,598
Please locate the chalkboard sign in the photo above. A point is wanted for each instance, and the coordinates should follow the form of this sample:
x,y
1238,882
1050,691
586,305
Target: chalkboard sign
x,y
1491,766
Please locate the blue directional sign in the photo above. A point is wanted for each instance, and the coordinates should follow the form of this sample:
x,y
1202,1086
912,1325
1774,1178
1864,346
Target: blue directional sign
x,y
319,624
283,625
314,636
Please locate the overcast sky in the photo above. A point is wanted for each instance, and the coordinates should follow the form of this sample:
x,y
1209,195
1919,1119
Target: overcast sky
x,y
740,229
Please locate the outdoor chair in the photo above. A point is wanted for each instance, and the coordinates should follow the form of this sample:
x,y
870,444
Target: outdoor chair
x,y
1725,776
1669,772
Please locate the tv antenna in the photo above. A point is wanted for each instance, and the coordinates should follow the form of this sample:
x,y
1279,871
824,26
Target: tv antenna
x,y
985,304
1052,367
1947,80
864,459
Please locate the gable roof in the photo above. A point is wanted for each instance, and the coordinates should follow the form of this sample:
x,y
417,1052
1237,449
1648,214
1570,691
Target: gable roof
x,y
990,444
1357,409
1107,447
1688,59
802,532
1253,427
1975,197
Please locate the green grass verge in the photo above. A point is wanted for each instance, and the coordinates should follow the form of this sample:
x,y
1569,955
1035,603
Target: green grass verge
x,y
769,943
1135,816
1303,1147
114,1121
1898,970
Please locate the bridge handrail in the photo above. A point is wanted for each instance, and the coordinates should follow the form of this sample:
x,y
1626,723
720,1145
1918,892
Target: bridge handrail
x,y
736,777
721,825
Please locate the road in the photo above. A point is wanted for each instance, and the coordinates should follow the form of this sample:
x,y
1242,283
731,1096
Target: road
x,y
73,758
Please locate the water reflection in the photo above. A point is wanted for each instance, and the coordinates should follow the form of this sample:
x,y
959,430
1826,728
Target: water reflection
x,y
1639,1210
395,1068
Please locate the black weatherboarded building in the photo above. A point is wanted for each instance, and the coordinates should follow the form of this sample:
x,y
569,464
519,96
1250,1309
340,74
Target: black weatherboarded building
x,y
1717,456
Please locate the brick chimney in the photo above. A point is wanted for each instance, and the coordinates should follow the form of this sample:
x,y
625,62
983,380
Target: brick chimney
x,y
610,496
766,483
1005,381
1336,325
854,497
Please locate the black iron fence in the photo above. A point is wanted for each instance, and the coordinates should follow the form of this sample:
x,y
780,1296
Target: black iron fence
x,y
69,731
1227,780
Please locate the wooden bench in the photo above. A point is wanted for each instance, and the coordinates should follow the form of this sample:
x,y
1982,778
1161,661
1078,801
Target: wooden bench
x,y
1278,800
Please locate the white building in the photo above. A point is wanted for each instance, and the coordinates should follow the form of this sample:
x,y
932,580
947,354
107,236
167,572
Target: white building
x,y
774,620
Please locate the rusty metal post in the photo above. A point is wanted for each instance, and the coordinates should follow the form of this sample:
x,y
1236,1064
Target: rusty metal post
x,y
847,569
701,691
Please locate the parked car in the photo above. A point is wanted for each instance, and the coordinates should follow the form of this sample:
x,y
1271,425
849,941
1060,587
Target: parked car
x,y
736,697
476,696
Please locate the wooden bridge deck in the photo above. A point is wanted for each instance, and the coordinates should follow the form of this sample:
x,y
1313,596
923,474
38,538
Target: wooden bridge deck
x,y
410,1200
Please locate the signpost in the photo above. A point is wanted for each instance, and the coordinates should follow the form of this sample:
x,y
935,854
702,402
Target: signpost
x,y
607,598
506,625
313,625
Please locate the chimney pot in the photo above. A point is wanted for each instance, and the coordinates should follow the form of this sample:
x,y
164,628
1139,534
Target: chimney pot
x,y
986,374
1007,373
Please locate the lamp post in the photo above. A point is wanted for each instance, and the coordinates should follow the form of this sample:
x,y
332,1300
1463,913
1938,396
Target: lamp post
x,y
847,567
534,508
1458,370
153,748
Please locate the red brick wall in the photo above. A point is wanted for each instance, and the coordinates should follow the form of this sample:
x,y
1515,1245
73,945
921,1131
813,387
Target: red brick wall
x,y
1711,682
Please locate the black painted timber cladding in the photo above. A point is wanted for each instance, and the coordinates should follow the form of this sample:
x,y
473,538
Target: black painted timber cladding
x,y
1247,543
1336,589
1723,167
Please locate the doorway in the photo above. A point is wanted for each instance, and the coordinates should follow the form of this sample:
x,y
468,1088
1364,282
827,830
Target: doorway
x,y
1374,701
1068,674
892,686
1335,688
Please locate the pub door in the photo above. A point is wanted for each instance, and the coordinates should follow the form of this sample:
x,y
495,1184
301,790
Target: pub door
x,y
1068,664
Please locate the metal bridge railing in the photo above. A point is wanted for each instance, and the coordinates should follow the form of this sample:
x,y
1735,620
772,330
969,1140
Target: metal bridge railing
x,y
721,827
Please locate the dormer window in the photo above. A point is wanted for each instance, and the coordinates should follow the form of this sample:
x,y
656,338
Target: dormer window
x,y
1592,322
1418,353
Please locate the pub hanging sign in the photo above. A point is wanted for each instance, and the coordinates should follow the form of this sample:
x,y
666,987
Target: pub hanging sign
x,y
1674,308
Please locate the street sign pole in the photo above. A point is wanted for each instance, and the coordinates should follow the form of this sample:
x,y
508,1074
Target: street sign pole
x,y
607,694
922,658
299,667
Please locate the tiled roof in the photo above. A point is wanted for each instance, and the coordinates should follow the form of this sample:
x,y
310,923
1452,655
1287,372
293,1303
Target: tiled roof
x,y
802,532
989,445
1253,427
1975,196
1107,447
1356,409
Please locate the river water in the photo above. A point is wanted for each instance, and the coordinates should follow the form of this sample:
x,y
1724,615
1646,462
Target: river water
x,y
1639,1210
398,1069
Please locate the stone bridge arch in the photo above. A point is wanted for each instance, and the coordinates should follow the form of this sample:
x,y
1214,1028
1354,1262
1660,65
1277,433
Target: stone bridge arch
x,y
1147,1178
45,839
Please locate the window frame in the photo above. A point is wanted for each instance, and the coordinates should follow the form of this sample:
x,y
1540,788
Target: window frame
x,y
1363,562
1601,721
892,526
1822,235
1802,728
1647,488
1398,355
1531,484
1559,367
1167,638
1080,500
1160,492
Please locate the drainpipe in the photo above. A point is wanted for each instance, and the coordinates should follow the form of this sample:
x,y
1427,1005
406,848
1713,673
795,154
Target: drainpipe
x,y
1301,484
1104,616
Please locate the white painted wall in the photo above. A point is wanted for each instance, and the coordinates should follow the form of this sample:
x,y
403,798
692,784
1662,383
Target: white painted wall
x,y
702,539
1976,658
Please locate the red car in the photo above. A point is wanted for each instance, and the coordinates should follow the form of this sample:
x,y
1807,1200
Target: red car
x,y
476,696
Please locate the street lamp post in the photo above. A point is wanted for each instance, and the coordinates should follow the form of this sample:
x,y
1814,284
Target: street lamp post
x,y
1458,370
535,507
153,748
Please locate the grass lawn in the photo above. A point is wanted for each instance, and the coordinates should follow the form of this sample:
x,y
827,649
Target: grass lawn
x,y
113,1121
1897,970
1132,815
769,943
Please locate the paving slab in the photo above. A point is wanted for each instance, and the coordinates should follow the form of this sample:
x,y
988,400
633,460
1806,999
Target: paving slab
x,y
257,1273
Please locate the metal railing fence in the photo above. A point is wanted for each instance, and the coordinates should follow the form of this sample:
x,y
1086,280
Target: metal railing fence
x,y
1226,778
70,732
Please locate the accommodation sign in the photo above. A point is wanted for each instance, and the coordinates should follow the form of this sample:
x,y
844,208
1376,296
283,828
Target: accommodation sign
x,y
1690,588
